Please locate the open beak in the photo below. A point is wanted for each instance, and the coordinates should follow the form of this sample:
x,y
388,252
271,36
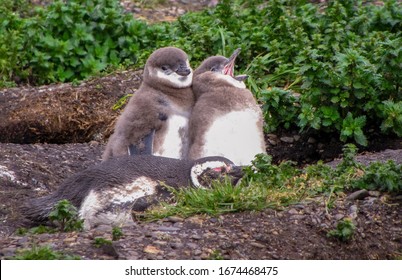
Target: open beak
x,y
228,69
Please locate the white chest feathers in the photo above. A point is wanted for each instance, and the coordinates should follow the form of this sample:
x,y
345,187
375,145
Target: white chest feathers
x,y
236,136
113,205
175,137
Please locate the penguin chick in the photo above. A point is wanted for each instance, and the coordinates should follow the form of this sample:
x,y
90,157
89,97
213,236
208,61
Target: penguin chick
x,y
155,120
106,193
226,120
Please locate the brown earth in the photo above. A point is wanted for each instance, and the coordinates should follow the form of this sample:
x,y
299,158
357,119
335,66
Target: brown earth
x,y
51,132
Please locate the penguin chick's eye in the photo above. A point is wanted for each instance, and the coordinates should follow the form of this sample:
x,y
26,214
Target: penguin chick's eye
x,y
165,68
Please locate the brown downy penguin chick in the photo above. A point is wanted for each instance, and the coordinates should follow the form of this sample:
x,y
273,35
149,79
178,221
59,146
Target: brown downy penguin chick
x,y
155,121
226,120
106,193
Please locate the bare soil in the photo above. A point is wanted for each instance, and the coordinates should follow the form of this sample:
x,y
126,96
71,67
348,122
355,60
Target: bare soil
x,y
49,133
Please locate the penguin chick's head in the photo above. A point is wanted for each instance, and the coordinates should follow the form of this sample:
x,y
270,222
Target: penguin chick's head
x,y
222,68
170,67
207,169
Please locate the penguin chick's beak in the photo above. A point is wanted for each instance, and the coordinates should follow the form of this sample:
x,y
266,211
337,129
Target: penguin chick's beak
x,y
228,69
183,70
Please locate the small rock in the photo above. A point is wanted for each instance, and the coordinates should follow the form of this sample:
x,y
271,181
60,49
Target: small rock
x,y
272,142
172,255
176,245
196,237
296,217
375,193
175,219
353,212
151,250
257,245
311,140
164,228
293,212
361,194
192,246
272,136
296,137
287,139
160,243
339,217
197,252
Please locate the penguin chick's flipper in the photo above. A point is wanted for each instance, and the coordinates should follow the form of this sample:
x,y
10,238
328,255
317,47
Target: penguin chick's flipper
x,y
144,148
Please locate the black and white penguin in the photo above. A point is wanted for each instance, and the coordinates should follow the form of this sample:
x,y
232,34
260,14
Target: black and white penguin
x,y
155,121
226,119
107,193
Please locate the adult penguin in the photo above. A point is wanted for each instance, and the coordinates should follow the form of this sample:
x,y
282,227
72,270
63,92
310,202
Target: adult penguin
x,y
107,192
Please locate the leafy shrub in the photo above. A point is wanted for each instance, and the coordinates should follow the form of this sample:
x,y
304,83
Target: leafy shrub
x,y
344,231
43,253
72,40
381,176
342,61
66,215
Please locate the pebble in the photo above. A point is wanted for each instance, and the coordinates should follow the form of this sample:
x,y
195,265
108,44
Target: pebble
x,y
176,245
160,243
197,252
353,212
272,142
196,237
287,139
257,245
358,195
296,137
192,246
165,228
293,212
311,140
374,193
339,217
175,219
296,217
151,250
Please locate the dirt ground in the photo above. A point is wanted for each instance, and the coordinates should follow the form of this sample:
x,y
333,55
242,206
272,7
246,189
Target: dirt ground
x,y
49,133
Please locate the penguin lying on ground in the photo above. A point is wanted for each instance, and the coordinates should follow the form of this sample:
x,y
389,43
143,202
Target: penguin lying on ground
x,y
226,120
106,193
155,121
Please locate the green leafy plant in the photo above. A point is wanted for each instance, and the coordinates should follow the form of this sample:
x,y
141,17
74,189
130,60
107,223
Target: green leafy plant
x,y
381,176
100,241
344,231
117,233
66,216
43,253
36,230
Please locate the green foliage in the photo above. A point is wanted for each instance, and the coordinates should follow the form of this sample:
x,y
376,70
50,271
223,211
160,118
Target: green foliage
x,y
279,108
266,185
381,176
72,40
35,230
333,68
66,216
344,231
43,253
100,241
117,233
